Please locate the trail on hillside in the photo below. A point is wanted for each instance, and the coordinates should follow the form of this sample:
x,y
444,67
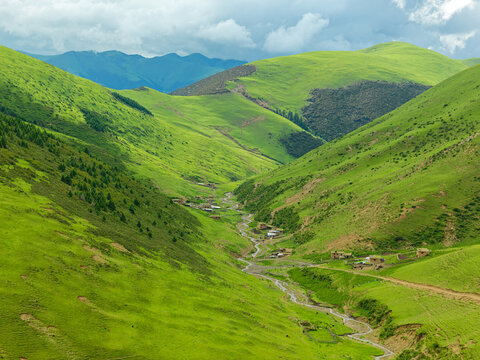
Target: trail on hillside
x,y
458,295
254,269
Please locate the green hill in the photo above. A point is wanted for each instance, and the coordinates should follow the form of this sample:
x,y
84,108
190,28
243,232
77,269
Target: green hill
x,y
98,265
292,83
407,179
117,70
231,140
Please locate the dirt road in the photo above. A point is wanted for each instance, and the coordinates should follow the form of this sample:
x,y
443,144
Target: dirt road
x,y
457,295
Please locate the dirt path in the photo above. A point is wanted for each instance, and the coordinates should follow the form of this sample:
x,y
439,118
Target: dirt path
x,y
458,295
254,269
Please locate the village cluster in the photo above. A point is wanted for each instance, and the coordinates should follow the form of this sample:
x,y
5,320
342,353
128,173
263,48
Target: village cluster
x,y
373,261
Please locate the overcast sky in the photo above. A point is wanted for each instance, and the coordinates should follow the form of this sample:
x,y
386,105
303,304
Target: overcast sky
x,y
240,29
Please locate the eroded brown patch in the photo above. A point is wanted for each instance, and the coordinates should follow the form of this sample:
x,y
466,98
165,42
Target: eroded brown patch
x,y
62,234
119,247
252,121
97,254
450,235
84,300
99,259
405,337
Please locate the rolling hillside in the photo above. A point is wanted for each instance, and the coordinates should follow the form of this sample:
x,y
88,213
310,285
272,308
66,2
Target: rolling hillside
x,y
99,265
119,71
286,83
230,141
407,179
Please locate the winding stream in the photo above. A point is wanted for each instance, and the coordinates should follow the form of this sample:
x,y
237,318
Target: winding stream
x,y
283,286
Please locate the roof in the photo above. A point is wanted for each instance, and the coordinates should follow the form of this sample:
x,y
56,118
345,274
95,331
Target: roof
x,y
423,249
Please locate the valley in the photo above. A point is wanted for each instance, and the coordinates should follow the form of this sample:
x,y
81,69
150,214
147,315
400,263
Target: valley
x,y
274,210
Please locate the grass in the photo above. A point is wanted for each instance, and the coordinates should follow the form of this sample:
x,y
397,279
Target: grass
x,y
180,142
446,324
79,283
407,178
286,82
253,127
456,270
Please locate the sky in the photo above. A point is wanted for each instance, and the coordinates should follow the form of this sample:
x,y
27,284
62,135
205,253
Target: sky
x,y
238,29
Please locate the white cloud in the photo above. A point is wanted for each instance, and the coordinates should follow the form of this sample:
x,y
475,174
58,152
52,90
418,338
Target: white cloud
x,y
433,12
399,3
451,42
227,32
295,38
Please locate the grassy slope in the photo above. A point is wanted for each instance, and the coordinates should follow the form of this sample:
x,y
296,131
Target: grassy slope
x,y
68,293
409,177
286,82
457,270
448,326
253,127
150,145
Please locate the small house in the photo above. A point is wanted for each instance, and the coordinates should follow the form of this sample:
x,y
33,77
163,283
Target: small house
x,y
337,255
373,259
263,226
421,252
215,217
287,251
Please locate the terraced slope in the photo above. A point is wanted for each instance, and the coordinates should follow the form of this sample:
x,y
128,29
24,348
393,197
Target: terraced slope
x,y
408,178
160,146
98,265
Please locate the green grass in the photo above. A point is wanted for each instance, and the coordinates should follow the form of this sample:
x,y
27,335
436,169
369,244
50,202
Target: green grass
x,y
456,270
178,143
408,178
286,82
253,127
69,292
447,325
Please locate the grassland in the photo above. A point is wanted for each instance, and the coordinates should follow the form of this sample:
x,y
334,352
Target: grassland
x,y
456,270
220,117
78,282
407,179
406,318
207,140
286,82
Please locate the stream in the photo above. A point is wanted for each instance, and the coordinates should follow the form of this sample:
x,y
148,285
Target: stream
x,y
256,270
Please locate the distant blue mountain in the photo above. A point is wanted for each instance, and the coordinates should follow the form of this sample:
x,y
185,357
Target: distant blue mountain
x,y
119,71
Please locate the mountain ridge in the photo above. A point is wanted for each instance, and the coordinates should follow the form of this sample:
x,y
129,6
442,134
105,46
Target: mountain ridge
x,y
118,70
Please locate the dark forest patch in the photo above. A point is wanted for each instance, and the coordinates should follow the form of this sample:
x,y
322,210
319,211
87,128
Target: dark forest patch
x,y
215,84
332,113
299,143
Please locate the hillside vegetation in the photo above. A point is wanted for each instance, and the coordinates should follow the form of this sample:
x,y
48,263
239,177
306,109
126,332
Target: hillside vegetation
x,y
236,139
117,70
328,89
286,82
99,265
407,179
332,113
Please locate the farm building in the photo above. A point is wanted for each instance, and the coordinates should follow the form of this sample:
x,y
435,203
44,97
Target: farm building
x,y
263,226
421,252
336,255
374,259
215,217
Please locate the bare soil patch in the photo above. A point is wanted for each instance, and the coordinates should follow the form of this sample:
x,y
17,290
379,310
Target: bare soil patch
x,y
119,247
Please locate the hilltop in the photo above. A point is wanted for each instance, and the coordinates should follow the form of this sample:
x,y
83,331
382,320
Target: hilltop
x,y
117,70
292,83
406,179
176,144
